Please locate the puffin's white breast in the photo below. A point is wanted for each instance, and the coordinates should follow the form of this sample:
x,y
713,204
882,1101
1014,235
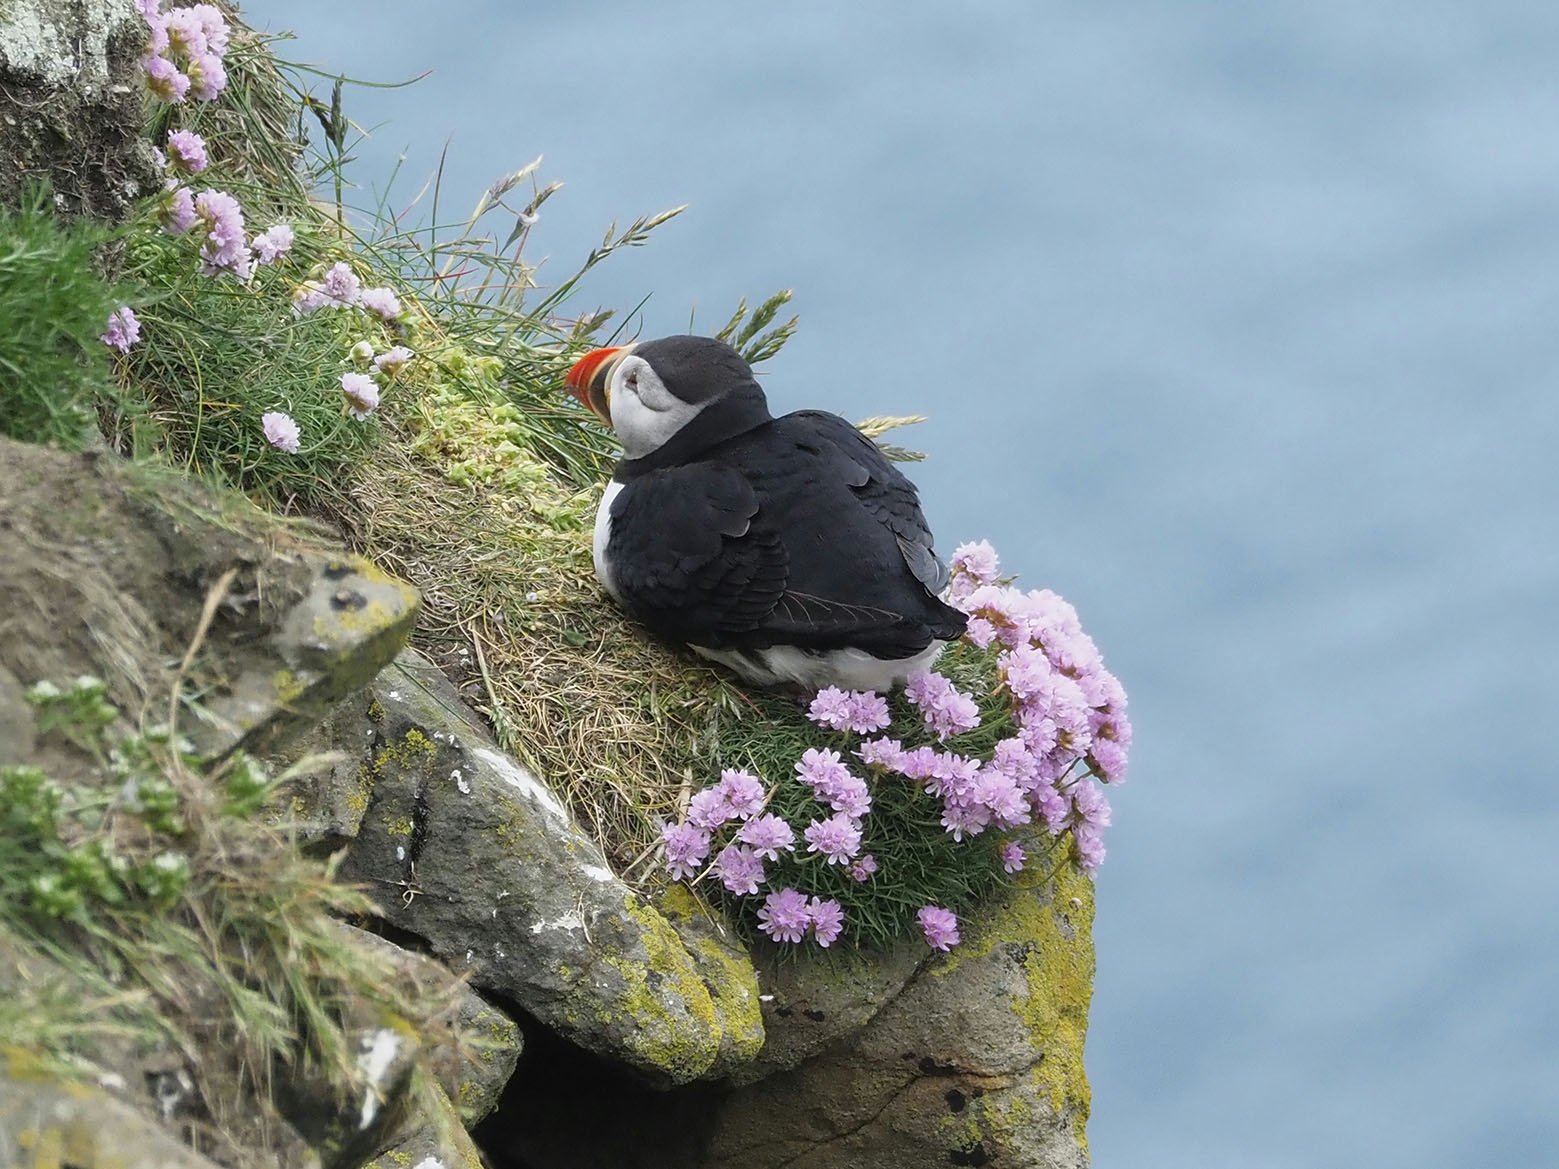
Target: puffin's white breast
x,y
603,535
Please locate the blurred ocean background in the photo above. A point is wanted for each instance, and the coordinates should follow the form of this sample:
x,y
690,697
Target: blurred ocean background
x,y
1236,324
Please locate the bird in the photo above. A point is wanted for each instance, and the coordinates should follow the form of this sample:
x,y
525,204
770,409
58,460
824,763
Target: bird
x,y
789,549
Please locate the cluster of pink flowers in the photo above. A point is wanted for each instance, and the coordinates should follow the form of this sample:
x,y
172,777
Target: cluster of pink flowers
x,y
123,329
224,247
738,800
341,288
1068,722
185,55
185,51
860,711
359,390
186,153
1069,709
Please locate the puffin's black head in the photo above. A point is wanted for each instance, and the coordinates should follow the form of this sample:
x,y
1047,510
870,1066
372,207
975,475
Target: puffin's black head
x,y
650,390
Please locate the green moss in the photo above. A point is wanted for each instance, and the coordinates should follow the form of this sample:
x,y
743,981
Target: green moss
x,y
401,826
288,687
413,749
362,791
1054,925
660,1036
727,974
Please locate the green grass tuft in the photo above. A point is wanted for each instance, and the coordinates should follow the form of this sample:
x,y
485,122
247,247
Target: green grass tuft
x,y
53,307
144,903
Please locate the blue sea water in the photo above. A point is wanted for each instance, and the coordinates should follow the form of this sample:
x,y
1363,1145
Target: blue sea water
x,y
1236,324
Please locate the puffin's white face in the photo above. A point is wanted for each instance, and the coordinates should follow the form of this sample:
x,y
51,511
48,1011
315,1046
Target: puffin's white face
x,y
644,413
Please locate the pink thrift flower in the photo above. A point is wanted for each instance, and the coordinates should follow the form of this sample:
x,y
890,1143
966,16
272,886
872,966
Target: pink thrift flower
x,y
342,285
148,8
784,916
686,848
820,770
362,396
953,776
849,796
213,25
861,871
946,709
186,32
226,247
1052,807
178,211
980,632
380,301
187,152
1091,806
1108,758
1012,857
882,752
962,818
123,329
1000,794
280,431
940,927
830,708
339,288
392,360
743,793
768,835
827,919
1090,848
837,838
207,76
707,809
164,80
740,869
977,560
272,243
867,712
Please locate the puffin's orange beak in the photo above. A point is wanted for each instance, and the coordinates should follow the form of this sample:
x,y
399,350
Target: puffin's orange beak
x,y
587,379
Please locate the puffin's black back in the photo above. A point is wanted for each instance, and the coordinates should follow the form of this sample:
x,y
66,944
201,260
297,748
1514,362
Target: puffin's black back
x,y
748,532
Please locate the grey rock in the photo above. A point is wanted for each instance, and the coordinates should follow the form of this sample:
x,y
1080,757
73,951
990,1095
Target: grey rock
x,y
45,1122
468,850
17,735
810,1005
974,1059
977,1060
471,1046
71,114
431,1139
111,565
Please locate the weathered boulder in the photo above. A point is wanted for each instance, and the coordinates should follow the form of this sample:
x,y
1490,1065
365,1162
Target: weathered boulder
x,y
109,570
469,851
431,1139
812,1004
162,588
46,1123
471,1046
71,97
974,1059
978,1060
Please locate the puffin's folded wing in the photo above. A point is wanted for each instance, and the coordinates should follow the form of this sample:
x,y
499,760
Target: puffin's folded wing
x,y
881,489
686,556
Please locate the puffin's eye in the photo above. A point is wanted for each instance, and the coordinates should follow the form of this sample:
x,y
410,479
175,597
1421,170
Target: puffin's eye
x,y
631,379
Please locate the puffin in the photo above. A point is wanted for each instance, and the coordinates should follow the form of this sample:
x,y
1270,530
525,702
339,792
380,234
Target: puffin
x,y
788,549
